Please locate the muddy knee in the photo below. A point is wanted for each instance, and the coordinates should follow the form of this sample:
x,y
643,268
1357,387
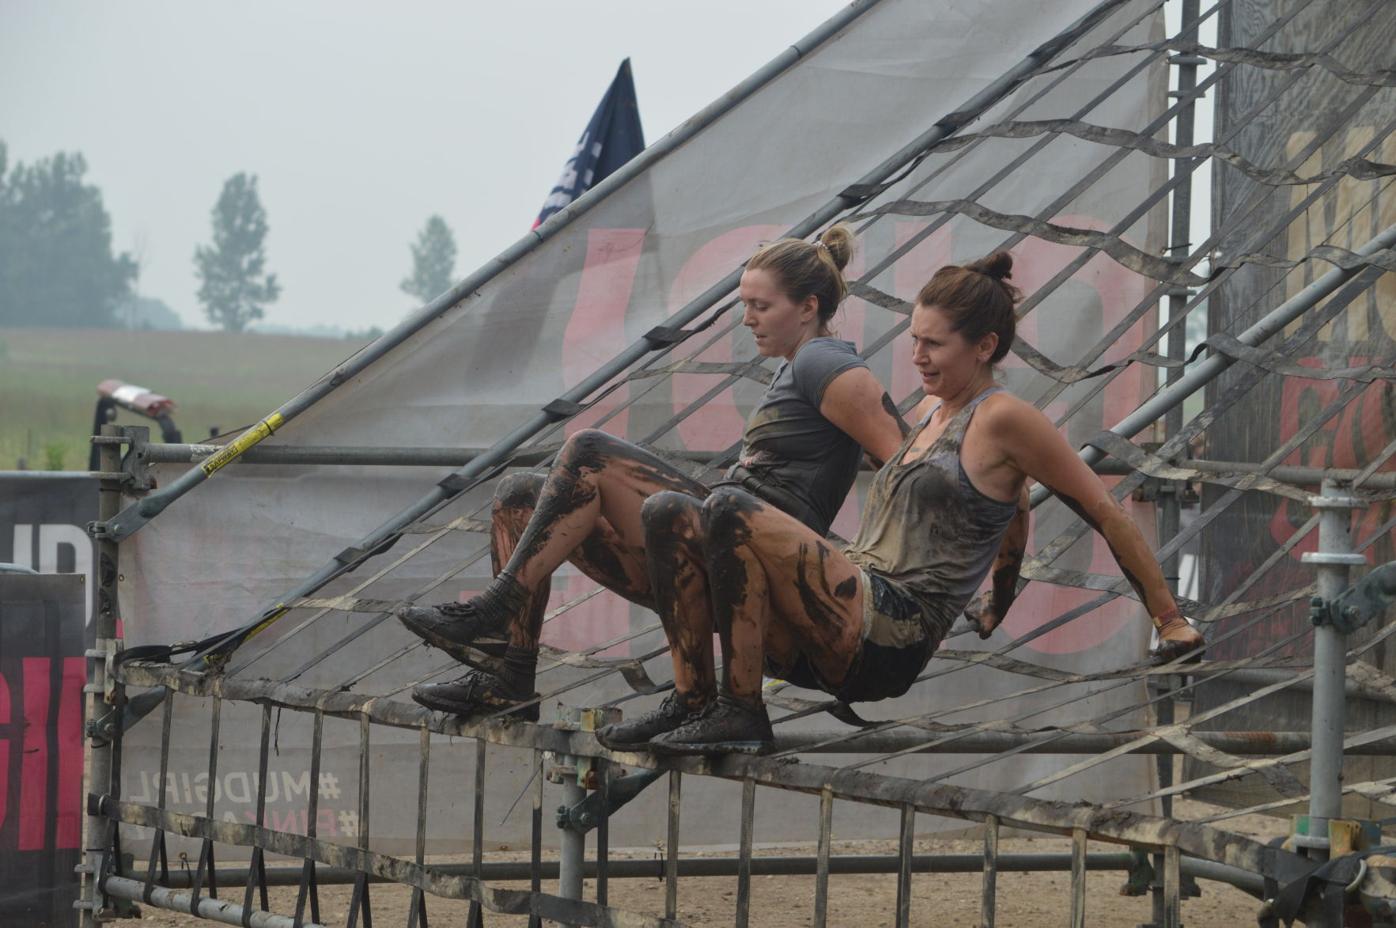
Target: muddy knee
x,y
726,515
669,512
589,448
517,491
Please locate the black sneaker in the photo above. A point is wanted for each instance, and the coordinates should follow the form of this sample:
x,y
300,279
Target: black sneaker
x,y
482,623
477,693
727,726
634,733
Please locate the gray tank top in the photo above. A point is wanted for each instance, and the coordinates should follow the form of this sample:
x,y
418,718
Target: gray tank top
x,y
927,528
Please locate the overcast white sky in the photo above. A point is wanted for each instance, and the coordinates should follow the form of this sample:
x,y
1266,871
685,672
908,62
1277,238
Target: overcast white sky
x,y
360,119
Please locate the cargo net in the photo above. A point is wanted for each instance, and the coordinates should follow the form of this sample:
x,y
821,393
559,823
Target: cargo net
x,y
1058,706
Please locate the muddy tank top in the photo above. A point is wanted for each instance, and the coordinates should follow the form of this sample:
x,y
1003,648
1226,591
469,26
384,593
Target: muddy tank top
x,y
927,528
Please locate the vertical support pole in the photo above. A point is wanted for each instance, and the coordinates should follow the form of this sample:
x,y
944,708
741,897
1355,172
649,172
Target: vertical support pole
x,y
256,870
744,853
417,917
905,845
1170,503
103,695
1078,878
671,850
603,831
1172,887
359,902
573,846
536,840
821,869
308,890
988,902
157,843
1333,560
476,918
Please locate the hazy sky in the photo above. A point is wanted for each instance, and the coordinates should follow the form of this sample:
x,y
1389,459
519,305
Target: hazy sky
x,y
360,119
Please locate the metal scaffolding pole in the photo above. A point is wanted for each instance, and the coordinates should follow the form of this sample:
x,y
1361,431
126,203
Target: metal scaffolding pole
x,y
99,746
1333,560
218,910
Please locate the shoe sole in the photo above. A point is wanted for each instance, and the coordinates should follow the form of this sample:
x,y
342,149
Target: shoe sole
x,y
492,648
709,747
528,713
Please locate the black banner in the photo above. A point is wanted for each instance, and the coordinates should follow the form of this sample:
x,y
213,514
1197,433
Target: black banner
x,y
41,679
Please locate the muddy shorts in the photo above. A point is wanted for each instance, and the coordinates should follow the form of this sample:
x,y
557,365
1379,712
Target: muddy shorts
x,y
897,644
767,492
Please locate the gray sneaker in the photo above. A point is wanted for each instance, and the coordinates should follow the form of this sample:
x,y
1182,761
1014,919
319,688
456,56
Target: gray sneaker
x,y
727,726
635,733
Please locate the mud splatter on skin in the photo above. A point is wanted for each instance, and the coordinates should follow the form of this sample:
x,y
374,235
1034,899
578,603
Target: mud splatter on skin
x,y
679,581
892,411
573,484
726,528
1132,561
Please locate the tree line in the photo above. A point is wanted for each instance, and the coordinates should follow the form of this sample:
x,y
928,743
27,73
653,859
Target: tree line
x,y
58,268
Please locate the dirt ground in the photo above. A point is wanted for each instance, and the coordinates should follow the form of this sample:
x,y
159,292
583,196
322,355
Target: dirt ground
x,y
1025,900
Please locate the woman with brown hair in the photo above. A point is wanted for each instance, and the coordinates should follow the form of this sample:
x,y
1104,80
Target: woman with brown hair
x,y
800,455
862,622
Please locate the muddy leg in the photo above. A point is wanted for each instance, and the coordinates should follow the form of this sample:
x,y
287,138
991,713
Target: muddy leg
x,y
776,584
597,478
602,555
679,582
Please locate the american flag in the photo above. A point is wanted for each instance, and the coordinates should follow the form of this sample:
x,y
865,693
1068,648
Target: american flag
x,y
612,138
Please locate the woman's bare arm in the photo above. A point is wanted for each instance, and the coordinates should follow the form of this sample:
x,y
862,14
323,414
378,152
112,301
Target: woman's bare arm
x,y
1030,442
858,405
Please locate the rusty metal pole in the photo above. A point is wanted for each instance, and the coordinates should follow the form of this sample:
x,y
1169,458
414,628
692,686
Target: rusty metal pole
x,y
102,689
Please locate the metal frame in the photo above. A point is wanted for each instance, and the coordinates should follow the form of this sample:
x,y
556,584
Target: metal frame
x,y
570,756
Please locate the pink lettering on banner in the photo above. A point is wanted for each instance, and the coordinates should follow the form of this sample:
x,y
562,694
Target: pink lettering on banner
x,y
33,778
597,324
4,751
69,830
594,331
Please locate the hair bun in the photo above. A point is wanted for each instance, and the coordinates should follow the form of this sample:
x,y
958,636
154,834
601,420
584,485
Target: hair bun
x,y
998,265
839,242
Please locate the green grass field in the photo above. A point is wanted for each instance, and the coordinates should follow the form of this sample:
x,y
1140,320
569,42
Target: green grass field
x,y
49,377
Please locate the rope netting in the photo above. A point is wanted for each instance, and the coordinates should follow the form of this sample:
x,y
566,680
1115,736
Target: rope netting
x,y
338,652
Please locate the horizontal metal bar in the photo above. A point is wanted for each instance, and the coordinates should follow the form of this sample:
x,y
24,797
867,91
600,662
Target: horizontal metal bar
x,y
1243,743
362,456
1299,476
217,910
1259,676
654,869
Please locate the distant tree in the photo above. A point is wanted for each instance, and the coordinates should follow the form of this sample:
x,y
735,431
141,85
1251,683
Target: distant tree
x,y
433,261
56,262
234,287
145,313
